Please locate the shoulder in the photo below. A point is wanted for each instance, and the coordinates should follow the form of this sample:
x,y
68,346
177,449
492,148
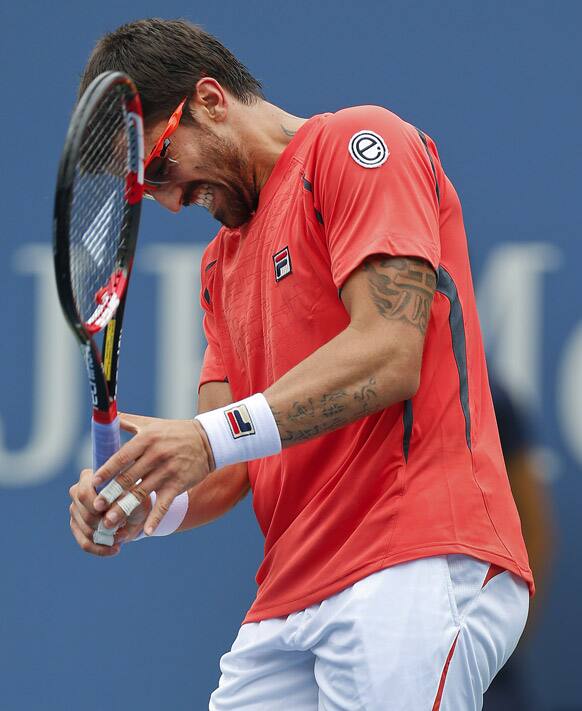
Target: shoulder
x,y
346,122
208,269
353,116
212,252
366,134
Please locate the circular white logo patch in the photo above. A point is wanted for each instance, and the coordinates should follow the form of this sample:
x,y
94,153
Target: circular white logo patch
x,y
368,149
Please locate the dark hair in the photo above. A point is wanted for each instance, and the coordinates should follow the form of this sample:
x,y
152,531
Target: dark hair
x,y
166,58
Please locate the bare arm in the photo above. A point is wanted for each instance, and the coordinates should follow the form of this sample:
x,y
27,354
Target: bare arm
x,y
372,364
223,488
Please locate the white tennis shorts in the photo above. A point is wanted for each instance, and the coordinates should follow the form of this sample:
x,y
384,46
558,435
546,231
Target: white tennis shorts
x,y
420,636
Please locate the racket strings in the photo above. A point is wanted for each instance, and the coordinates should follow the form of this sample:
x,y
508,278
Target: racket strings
x,y
99,209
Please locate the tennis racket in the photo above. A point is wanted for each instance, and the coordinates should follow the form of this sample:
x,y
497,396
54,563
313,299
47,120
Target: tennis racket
x,y
96,219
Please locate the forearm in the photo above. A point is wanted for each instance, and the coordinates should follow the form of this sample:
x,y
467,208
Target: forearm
x,y
352,376
216,495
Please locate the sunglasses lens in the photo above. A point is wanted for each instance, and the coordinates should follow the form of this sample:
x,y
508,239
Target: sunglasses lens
x,y
156,171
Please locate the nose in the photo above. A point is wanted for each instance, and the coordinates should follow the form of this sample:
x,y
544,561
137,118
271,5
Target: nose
x,y
169,197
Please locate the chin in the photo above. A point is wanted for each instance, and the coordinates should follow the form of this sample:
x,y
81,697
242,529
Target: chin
x,y
232,221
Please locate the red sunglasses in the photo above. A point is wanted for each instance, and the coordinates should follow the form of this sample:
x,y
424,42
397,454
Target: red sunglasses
x,y
155,165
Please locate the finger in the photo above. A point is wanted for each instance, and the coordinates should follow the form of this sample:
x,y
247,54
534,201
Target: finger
x,y
82,477
121,460
120,512
134,525
164,498
104,536
86,544
151,479
86,493
129,477
86,478
133,423
87,522
110,493
80,488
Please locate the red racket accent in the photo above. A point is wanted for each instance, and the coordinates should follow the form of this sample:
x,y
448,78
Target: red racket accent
x,y
107,300
133,189
134,104
105,418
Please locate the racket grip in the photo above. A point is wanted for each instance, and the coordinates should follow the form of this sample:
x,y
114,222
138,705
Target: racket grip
x,y
106,441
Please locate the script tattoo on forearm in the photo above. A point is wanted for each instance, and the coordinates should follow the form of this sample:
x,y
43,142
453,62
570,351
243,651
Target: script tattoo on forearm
x,y
316,416
365,397
402,289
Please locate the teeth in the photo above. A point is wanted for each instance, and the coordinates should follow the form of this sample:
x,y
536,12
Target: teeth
x,y
205,196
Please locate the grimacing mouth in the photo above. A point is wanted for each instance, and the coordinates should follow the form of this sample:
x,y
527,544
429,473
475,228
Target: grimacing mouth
x,y
198,193
204,196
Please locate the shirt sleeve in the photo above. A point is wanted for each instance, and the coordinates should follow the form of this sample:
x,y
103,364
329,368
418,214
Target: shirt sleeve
x,y
213,369
212,364
375,189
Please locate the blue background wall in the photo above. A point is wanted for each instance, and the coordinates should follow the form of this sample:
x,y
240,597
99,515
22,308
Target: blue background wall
x,y
498,86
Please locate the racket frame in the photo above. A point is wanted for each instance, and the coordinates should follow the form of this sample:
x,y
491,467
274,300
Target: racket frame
x,y
102,366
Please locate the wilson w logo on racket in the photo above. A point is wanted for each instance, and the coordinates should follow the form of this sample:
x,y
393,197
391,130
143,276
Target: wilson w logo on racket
x,y
96,219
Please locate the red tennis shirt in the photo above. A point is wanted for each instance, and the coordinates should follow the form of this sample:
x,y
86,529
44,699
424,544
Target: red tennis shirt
x,y
421,478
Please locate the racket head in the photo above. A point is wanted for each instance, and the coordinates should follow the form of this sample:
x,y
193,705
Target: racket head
x,y
96,221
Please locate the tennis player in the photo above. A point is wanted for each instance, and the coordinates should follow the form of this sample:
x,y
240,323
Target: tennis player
x,y
344,383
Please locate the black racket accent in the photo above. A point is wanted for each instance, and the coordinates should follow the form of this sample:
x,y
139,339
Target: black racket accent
x,y
96,219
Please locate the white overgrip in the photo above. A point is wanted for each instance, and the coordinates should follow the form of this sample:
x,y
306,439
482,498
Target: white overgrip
x,y
106,441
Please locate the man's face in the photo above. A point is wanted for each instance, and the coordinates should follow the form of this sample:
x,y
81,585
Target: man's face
x,y
207,169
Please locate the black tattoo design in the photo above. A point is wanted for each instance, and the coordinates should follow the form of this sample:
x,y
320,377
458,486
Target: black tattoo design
x,y
402,289
366,392
313,417
333,409
334,396
288,132
302,410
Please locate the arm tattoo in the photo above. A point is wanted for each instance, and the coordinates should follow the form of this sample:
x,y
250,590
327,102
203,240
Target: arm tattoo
x,y
402,289
315,417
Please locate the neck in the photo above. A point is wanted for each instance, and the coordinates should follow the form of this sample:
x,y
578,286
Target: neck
x,y
266,130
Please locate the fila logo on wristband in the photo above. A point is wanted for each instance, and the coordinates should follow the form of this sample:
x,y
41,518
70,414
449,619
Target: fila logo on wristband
x,y
227,429
239,421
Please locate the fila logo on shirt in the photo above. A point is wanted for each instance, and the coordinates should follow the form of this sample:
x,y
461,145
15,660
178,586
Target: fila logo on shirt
x,y
368,149
282,262
239,421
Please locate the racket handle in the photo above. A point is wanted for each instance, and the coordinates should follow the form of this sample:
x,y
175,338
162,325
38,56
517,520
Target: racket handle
x,y
106,441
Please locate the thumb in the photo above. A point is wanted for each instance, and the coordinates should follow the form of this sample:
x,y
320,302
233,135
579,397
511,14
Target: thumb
x,y
133,423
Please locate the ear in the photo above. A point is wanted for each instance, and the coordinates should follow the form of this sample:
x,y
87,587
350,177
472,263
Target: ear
x,y
210,99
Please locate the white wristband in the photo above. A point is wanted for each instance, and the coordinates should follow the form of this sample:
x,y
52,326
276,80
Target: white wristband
x,y
172,519
242,431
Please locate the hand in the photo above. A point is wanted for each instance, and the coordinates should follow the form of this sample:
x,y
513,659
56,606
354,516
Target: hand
x,y
85,519
168,456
